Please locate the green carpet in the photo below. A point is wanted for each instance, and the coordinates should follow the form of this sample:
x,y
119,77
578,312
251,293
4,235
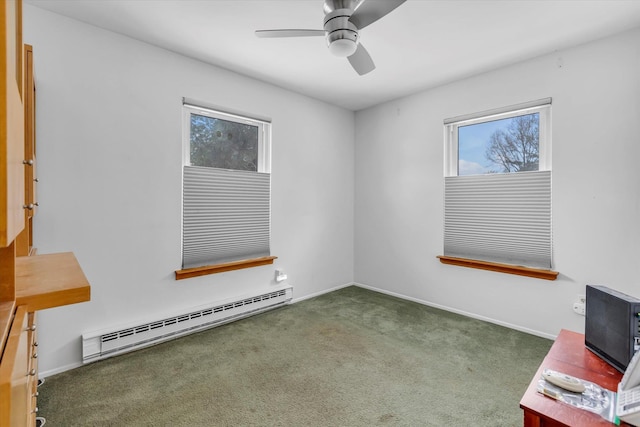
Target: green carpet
x,y
352,357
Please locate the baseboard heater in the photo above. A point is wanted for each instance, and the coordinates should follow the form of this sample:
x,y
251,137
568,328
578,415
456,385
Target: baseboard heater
x,y
101,344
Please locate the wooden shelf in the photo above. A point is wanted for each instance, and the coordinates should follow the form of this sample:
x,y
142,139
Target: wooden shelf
x,y
52,280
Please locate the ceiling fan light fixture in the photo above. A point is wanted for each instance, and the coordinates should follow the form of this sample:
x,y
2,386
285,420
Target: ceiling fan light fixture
x,y
343,20
343,47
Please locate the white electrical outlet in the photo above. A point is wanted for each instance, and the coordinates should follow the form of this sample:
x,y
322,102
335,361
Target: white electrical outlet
x,y
580,306
281,276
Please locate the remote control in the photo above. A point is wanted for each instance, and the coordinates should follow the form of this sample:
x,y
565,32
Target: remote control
x,y
565,381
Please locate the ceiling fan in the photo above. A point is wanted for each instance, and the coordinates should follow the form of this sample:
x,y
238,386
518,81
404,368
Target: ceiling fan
x,y
342,21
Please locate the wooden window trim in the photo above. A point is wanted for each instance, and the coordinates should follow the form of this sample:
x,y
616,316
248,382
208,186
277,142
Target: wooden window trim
x,y
227,266
501,268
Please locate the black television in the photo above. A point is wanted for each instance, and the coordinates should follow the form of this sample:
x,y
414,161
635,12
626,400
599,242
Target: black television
x,y
612,325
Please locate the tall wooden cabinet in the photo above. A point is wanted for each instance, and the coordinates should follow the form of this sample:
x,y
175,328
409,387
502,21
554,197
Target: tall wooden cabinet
x,y
11,123
28,282
24,240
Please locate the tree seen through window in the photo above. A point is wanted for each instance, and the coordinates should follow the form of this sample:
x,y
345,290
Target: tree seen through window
x,y
218,143
500,146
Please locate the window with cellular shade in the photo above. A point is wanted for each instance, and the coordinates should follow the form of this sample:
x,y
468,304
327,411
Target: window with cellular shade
x,y
498,186
226,187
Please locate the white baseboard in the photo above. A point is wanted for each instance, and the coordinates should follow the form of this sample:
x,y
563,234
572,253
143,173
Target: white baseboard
x,y
322,292
461,312
50,372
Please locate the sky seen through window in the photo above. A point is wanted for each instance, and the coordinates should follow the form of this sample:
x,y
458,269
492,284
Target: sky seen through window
x,y
473,142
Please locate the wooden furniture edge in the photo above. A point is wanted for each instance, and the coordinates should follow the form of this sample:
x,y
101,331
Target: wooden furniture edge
x,y
501,268
7,309
51,280
9,358
227,266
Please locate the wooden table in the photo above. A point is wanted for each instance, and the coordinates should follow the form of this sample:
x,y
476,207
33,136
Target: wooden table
x,y
568,355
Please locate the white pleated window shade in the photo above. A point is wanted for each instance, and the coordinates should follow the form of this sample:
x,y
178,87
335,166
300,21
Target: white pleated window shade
x,y
503,218
226,216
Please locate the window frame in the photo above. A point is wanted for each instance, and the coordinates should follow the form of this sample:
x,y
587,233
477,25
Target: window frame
x,y
263,167
451,164
451,160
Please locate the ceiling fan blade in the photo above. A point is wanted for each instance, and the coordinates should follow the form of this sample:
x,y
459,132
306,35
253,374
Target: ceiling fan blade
x,y
370,11
288,33
361,61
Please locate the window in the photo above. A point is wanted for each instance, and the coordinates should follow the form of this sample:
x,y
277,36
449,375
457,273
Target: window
x,y
226,189
498,186
223,141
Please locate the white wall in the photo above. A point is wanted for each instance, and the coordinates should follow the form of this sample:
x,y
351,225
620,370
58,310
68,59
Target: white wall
x,y
596,186
109,164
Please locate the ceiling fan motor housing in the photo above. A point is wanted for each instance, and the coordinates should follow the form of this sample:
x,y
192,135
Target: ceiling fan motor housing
x,y
342,35
343,19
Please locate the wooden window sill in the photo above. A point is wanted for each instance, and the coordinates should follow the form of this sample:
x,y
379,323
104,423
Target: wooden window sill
x,y
227,266
501,268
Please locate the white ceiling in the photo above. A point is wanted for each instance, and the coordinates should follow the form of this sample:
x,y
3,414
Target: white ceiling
x,y
421,44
